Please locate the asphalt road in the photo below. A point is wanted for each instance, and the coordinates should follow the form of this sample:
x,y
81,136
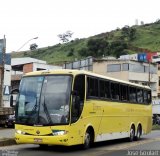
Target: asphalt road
x,y
7,133
149,143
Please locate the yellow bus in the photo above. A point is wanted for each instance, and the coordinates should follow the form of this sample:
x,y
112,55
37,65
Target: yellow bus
x,y
71,107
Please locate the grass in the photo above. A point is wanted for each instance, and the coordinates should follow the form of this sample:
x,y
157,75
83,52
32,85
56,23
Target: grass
x,y
57,54
148,37
156,127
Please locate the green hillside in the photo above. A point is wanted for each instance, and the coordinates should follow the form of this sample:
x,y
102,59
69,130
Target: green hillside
x,y
115,43
56,54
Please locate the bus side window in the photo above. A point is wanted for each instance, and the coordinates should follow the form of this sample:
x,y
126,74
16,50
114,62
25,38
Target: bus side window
x,y
145,94
115,91
79,86
149,97
107,90
78,97
132,94
92,87
102,88
124,92
140,96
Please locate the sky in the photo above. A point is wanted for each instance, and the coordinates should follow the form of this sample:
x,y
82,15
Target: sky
x,y
23,20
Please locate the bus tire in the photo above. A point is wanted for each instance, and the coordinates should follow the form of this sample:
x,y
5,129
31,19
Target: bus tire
x,y
43,146
132,133
139,133
88,139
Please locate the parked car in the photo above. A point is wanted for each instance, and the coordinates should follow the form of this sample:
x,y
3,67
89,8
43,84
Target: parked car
x,y
10,121
156,119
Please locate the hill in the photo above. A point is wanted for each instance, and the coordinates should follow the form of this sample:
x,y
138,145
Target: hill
x,y
115,43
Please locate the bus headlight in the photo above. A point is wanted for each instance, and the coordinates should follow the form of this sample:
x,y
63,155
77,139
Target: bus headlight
x,y
20,132
58,132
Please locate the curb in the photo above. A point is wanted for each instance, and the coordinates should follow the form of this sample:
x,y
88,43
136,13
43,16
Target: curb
x,y
7,142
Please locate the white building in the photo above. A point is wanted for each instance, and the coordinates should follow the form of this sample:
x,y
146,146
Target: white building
x,y
7,85
129,57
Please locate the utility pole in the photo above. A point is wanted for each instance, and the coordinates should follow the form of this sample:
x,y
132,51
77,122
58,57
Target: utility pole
x,y
2,70
149,75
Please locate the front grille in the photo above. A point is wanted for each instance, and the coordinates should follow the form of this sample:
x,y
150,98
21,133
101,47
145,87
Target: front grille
x,y
39,134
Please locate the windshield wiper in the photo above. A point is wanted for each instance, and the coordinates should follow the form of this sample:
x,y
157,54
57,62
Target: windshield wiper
x,y
46,112
32,111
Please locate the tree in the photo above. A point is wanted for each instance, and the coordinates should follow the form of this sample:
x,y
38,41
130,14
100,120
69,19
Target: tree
x,y
97,47
128,32
71,52
132,33
65,37
118,48
83,52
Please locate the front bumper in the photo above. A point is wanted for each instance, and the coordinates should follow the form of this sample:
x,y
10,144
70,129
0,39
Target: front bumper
x,y
49,140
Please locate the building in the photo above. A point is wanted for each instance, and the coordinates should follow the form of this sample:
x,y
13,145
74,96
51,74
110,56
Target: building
x,y
7,85
156,59
129,57
129,70
20,66
7,79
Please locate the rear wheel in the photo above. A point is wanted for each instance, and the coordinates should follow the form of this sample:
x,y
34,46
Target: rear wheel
x,y
139,132
132,134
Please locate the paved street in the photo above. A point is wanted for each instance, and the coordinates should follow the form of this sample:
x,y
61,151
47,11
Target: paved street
x,y
6,133
108,148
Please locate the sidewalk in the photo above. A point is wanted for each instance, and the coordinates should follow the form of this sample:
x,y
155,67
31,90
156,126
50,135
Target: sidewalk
x,y
7,136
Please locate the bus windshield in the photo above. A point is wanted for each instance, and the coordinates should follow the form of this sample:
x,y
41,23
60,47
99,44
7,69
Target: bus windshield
x,y
44,100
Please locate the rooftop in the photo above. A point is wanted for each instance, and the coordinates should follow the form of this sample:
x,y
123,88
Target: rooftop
x,y
25,60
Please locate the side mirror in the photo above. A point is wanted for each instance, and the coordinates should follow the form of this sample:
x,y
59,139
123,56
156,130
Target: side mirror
x,y
15,91
74,92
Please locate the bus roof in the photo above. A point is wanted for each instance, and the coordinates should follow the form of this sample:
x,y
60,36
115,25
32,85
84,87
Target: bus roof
x,y
76,72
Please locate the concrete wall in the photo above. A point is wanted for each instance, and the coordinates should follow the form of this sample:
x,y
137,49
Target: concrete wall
x,y
25,60
37,66
101,68
156,109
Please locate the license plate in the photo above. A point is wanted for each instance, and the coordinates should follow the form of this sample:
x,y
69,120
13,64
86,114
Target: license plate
x,y
38,140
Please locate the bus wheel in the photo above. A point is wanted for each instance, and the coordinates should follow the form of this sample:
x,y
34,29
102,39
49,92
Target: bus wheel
x,y
139,133
87,140
43,146
132,134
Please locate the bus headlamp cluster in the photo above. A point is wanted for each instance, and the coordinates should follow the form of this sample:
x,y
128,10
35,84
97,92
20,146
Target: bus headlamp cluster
x,y
58,132
20,132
